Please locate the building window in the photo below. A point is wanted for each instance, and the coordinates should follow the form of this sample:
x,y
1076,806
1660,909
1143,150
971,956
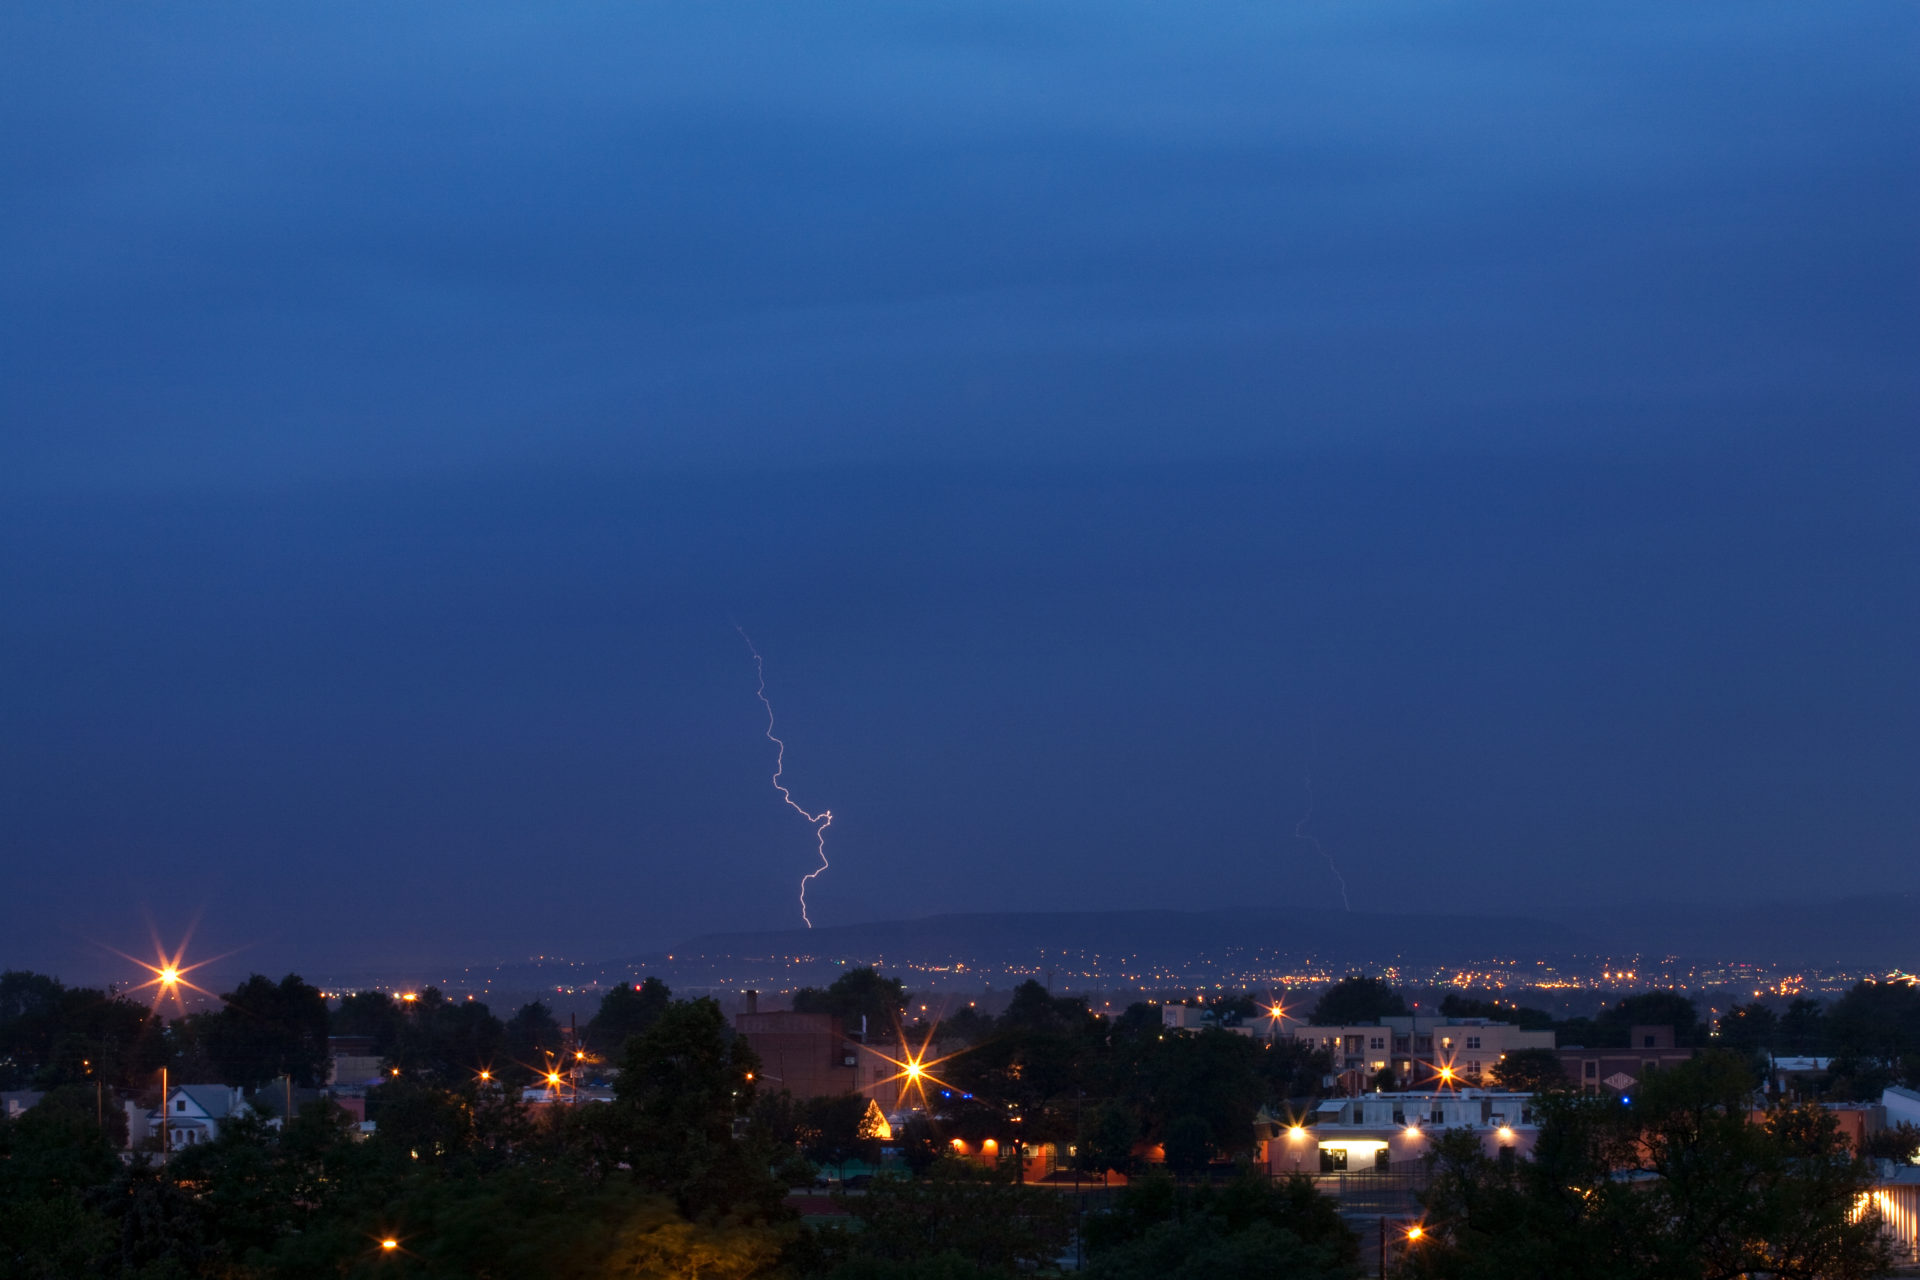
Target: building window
x,y
1473,1042
1438,1117
1333,1159
1646,1042
1382,1158
1378,1042
1593,1070
1446,1042
180,1105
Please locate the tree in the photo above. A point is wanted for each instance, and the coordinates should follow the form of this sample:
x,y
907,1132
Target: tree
x,y
1530,1071
856,995
52,1034
1750,1027
1803,1028
373,1014
1357,999
532,1037
451,1042
265,1030
836,1130
681,1085
1250,1229
979,1216
1108,1132
625,1012
1188,1145
1680,1182
1878,1020
1497,1010
1651,1009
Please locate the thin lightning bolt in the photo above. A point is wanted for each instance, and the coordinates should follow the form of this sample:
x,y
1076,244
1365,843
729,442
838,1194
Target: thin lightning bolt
x,y
1300,833
819,821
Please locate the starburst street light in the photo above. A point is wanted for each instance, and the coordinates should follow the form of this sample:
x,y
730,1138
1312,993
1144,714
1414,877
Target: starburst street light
x,y
169,974
915,1070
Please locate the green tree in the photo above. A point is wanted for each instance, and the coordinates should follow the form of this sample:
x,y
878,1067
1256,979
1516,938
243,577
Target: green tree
x,y
1497,1010
52,1034
265,1029
681,1086
1651,1009
1749,1027
1878,1020
1108,1132
980,1217
1706,1191
625,1012
1803,1029
836,1130
450,1042
1357,999
532,1037
1530,1071
373,1014
1250,1229
1188,1144
855,995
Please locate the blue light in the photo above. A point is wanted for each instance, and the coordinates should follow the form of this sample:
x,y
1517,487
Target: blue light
x,y
1625,1101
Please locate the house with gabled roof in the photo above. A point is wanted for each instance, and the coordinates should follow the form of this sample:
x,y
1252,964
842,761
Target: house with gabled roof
x,y
193,1113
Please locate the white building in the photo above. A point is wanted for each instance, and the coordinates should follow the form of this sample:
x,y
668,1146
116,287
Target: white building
x,y
1381,1131
1422,1049
193,1114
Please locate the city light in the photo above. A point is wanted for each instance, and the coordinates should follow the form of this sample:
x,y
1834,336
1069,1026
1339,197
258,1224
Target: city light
x,y
389,1244
169,974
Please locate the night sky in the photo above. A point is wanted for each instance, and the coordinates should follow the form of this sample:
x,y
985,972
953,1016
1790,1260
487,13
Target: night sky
x,y
1119,425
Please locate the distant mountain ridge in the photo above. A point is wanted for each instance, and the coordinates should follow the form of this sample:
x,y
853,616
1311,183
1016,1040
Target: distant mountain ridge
x,y
1867,930
1878,929
1153,935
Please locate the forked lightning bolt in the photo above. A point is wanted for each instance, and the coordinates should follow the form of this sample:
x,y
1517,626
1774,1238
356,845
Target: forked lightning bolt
x,y
1300,832
820,821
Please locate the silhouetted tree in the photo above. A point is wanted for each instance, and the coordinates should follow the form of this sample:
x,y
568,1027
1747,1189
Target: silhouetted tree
x,y
857,994
532,1037
373,1014
625,1012
1747,1027
266,1029
1530,1071
1497,1010
1357,999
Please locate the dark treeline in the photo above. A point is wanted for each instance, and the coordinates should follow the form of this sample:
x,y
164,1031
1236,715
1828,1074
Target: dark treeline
x,y
685,1172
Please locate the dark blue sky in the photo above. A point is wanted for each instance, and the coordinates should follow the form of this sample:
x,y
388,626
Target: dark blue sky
x,y
1103,417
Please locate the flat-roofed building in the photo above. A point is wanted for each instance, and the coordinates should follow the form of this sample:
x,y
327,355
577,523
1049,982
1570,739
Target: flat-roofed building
x,y
1376,1132
1617,1070
1420,1049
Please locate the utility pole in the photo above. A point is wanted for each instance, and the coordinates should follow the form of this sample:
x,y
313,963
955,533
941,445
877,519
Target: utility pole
x,y
163,1114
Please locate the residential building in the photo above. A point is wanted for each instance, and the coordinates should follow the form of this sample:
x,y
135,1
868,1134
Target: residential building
x,y
195,1112
1902,1106
1420,1049
1616,1070
1377,1132
812,1055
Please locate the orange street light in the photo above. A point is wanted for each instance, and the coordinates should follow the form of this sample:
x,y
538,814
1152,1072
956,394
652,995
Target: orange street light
x,y
1416,1231
389,1244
